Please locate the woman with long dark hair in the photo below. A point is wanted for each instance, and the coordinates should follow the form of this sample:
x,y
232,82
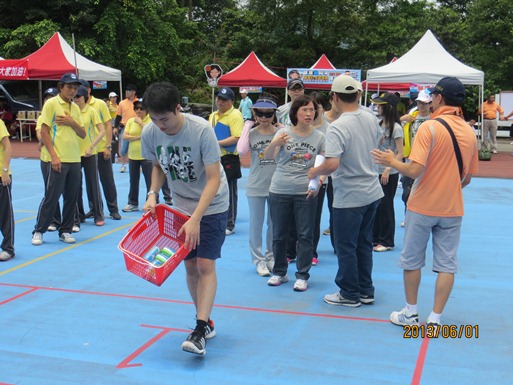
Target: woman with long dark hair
x,y
392,138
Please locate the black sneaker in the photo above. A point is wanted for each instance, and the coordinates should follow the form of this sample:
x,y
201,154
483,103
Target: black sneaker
x,y
209,330
115,216
195,343
366,299
90,214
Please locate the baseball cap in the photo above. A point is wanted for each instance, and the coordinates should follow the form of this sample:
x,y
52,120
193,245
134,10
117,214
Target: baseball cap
x,y
295,82
450,87
85,83
82,91
69,78
130,87
265,103
226,93
51,91
424,97
243,91
386,98
112,94
345,85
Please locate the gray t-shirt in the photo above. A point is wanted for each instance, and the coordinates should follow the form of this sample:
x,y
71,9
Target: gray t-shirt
x,y
351,138
388,143
282,114
294,160
183,158
261,170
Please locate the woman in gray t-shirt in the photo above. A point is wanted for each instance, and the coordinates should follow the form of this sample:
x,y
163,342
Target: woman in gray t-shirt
x,y
295,149
261,171
392,138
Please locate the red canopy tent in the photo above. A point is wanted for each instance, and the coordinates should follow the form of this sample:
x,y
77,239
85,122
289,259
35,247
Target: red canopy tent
x,y
323,63
252,73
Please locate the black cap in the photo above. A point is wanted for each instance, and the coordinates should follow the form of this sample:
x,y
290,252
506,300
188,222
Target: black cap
x,y
450,87
82,91
51,91
386,98
70,78
295,82
85,83
226,93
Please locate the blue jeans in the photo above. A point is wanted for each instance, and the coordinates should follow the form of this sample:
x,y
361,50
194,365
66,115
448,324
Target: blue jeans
x,y
353,245
283,207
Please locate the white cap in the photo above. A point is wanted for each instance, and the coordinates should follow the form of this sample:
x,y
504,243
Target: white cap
x,y
112,94
243,91
424,97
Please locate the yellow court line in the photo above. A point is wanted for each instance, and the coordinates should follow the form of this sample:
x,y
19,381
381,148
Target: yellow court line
x,y
66,249
25,219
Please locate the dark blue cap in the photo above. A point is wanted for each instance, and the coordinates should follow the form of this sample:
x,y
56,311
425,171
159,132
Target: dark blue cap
x,y
226,93
450,87
70,78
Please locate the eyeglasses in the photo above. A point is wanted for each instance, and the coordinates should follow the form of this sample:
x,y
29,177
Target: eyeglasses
x,y
263,114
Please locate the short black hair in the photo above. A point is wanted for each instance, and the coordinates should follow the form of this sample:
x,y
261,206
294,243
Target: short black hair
x,y
161,97
347,98
301,101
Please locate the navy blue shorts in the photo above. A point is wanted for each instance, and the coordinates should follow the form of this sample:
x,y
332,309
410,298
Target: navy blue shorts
x,y
212,235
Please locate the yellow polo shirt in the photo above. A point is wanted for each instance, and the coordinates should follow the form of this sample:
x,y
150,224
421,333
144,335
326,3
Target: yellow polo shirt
x,y
64,139
3,133
103,111
90,118
134,146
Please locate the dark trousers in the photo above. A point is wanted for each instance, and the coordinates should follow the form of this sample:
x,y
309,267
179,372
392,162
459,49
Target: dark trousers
x,y
67,184
45,170
135,167
384,223
329,196
353,244
92,182
232,210
107,180
407,183
6,217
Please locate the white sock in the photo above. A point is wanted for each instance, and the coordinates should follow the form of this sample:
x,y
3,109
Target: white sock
x,y
411,309
434,318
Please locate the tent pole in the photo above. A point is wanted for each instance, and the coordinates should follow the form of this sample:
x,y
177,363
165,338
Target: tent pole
x,y
75,55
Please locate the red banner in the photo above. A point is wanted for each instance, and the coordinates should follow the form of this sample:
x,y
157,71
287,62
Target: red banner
x,y
14,69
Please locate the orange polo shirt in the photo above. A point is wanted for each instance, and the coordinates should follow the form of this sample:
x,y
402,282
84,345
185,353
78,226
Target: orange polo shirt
x,y
490,110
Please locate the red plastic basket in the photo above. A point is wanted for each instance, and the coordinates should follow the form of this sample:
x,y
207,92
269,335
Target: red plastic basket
x,y
160,230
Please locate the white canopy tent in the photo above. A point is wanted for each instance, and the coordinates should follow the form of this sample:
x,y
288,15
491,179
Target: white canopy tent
x,y
426,63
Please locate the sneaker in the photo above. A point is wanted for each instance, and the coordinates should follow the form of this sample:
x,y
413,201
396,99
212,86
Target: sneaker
x,y
90,214
291,260
402,223
229,232
339,300
129,208
300,285
37,239
262,269
277,280
402,318
123,169
381,248
115,216
52,228
270,265
66,238
432,323
494,151
195,343
75,229
209,330
367,299
326,232
315,261
5,256
99,223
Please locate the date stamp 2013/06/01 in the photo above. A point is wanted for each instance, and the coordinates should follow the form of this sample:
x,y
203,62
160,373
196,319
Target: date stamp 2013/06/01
x,y
441,331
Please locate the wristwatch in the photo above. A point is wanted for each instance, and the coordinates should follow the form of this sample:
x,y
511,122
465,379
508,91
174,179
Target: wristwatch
x,y
152,192
5,169
109,147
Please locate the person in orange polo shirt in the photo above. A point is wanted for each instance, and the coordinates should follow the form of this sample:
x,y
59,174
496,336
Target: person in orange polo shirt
x,y
435,206
124,112
490,109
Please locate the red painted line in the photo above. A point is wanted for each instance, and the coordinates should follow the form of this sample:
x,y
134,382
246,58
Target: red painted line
x,y
16,297
126,362
419,366
274,311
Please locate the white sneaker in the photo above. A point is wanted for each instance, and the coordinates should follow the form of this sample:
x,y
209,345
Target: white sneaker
x,y
494,151
37,239
262,269
75,229
52,228
66,238
270,265
402,223
230,232
300,285
129,208
402,318
123,169
277,280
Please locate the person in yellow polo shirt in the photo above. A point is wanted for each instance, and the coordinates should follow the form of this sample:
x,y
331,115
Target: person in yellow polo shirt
x,y
95,132
7,217
46,159
104,158
60,130
136,162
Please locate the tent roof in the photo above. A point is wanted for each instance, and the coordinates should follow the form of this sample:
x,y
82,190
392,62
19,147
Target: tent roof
x,y
323,64
56,57
252,72
426,63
